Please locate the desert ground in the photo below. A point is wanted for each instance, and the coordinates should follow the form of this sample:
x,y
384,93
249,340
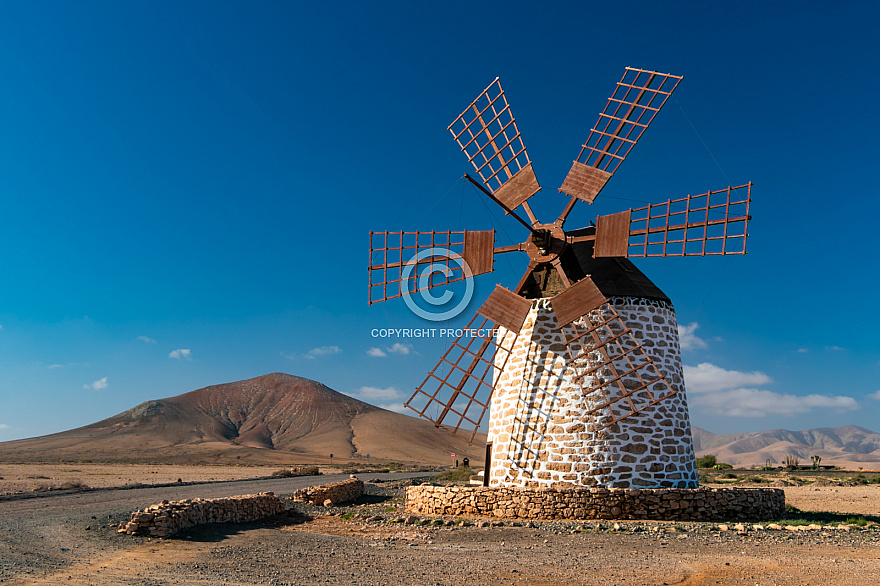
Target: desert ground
x,y
68,536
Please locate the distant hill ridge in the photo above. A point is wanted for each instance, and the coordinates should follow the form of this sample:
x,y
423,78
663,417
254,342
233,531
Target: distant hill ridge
x,y
275,418
847,445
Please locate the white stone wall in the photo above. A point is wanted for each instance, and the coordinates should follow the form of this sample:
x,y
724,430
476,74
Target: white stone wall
x,y
542,435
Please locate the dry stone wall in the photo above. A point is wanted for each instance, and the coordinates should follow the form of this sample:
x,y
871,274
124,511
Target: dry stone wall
x,y
331,494
168,518
670,504
546,432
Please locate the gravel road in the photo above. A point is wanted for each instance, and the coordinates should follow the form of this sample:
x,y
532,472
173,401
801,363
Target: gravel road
x,y
45,541
48,532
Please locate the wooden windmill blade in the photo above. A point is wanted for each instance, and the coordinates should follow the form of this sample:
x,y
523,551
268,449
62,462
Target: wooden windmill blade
x,y
456,392
617,377
397,260
487,133
708,224
636,99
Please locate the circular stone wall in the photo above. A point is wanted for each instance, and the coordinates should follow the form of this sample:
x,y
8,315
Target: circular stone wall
x,y
665,504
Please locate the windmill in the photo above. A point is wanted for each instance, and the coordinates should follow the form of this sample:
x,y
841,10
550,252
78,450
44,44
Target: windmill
x,y
579,364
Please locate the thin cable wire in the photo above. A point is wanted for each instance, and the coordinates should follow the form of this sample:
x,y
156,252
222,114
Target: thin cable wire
x,y
708,150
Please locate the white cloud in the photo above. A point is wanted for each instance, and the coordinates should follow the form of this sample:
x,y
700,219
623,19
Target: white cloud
x,y
323,351
803,350
399,348
181,353
760,403
3,426
97,385
875,395
834,348
54,366
707,378
396,348
377,394
730,393
688,339
146,339
390,398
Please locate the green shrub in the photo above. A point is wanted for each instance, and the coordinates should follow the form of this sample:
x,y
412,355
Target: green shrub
x,y
460,473
707,461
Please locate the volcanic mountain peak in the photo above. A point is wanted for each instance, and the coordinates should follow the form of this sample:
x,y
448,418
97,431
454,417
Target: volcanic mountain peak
x,y
271,418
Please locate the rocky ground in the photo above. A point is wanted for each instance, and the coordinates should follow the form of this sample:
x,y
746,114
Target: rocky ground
x,y
835,539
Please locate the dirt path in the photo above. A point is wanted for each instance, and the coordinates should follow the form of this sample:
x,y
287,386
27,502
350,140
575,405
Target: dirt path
x,y
331,550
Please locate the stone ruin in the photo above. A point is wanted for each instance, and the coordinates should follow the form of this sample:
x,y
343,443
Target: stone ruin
x,y
168,518
331,494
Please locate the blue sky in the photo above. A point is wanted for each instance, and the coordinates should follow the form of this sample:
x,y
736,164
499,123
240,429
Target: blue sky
x,y
186,190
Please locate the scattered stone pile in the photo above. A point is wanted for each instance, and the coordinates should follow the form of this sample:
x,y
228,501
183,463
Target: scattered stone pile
x,y
168,518
331,494
667,504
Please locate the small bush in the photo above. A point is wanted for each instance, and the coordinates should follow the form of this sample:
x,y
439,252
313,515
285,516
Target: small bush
x,y
722,466
460,473
707,461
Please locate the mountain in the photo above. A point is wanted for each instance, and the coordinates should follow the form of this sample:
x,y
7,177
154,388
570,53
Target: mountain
x,y
272,419
848,446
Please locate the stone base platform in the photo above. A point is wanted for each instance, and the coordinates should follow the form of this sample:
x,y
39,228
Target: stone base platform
x,y
663,504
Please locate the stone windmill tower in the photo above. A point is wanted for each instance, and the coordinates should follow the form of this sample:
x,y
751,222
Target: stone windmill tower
x,y
579,364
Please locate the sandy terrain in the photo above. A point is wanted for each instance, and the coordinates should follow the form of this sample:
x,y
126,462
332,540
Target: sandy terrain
x,y
15,478
70,538
859,500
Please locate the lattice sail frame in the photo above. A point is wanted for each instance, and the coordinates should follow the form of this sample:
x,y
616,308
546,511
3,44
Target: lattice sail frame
x,y
708,224
467,370
636,99
611,367
487,133
392,252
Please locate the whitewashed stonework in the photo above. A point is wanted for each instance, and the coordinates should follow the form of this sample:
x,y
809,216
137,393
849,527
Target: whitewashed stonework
x,y
540,432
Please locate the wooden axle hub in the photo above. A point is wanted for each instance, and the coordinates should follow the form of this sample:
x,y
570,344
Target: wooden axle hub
x,y
545,244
